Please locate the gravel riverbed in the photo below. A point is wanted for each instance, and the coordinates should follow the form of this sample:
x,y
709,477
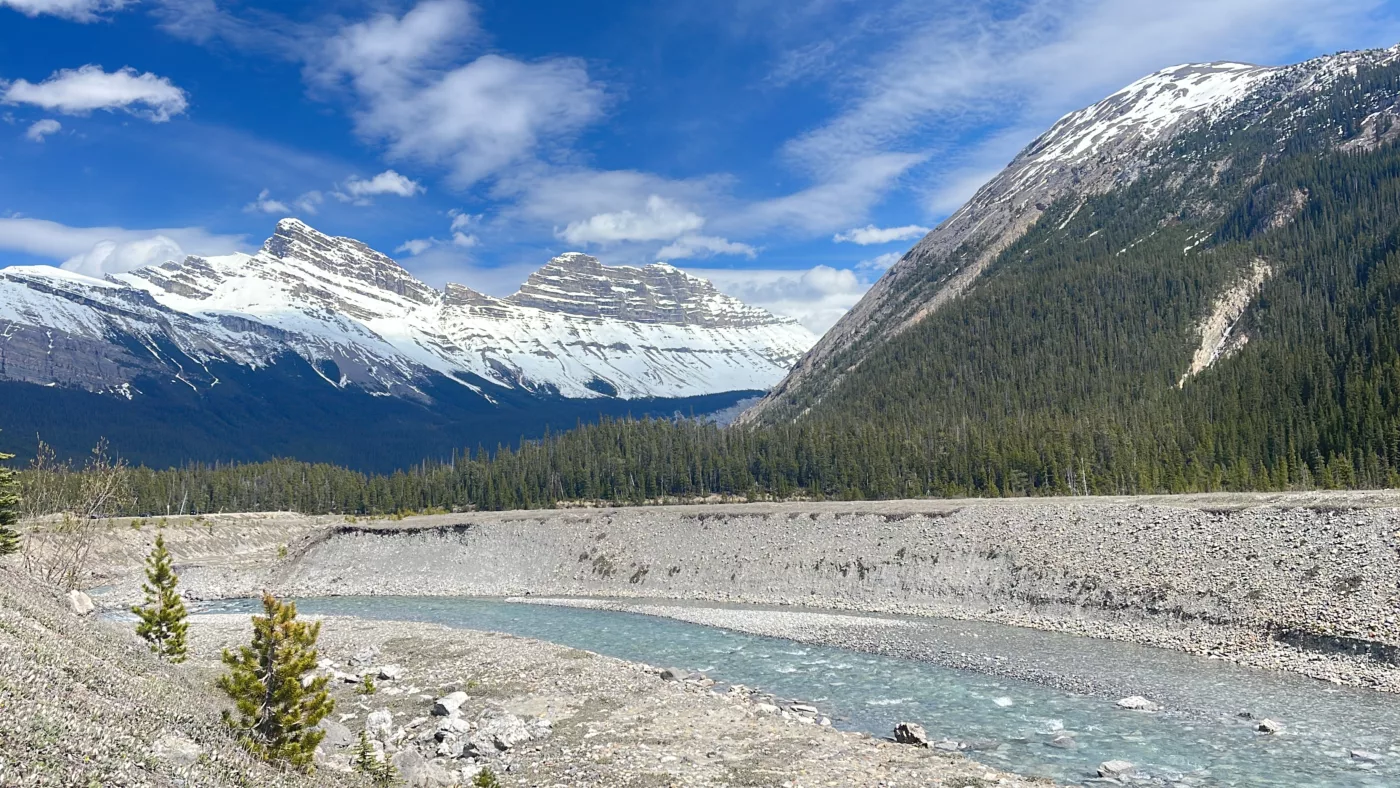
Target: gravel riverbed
x,y
1307,583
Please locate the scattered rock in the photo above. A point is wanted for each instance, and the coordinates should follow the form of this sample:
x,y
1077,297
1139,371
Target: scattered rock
x,y
1268,726
1115,768
670,674
177,749
390,673
1138,703
980,745
380,724
364,657
911,733
1367,756
450,703
337,735
80,603
412,766
1063,742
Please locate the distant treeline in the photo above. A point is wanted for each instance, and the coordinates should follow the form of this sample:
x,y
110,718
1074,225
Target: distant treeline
x,y
634,462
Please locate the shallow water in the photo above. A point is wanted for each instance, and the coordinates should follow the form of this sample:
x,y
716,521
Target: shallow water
x,y
871,693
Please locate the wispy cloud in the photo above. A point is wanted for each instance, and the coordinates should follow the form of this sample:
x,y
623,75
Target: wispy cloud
x,y
40,129
359,190
102,250
476,118
816,297
870,234
82,90
75,10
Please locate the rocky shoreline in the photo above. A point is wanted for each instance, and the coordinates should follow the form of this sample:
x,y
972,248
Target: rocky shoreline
x,y
450,703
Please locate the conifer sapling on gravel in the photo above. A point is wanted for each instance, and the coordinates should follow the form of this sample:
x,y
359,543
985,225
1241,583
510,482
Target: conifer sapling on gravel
x,y
163,622
380,771
276,714
9,508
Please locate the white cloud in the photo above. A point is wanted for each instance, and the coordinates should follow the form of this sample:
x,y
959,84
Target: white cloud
x,y
416,246
879,264
80,91
660,220
704,246
387,182
461,220
112,257
842,196
816,297
310,202
99,250
265,204
465,240
41,129
477,118
76,10
870,234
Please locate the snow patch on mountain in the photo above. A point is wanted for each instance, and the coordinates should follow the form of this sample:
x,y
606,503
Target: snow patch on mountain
x,y
577,328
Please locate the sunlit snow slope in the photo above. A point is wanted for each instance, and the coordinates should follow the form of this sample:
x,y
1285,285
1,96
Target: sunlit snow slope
x,y
577,329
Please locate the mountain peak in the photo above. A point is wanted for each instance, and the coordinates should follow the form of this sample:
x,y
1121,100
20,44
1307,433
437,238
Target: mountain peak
x,y
344,257
578,284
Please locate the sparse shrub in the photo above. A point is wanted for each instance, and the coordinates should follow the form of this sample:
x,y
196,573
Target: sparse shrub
x,y
486,779
276,715
367,686
281,551
163,622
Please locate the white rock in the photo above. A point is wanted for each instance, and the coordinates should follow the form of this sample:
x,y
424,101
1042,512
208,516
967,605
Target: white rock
x,y
1115,768
449,703
80,603
1268,726
390,672
177,749
380,724
1138,703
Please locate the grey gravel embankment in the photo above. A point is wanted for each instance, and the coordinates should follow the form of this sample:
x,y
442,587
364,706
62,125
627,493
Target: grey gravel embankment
x,y
1302,582
1246,578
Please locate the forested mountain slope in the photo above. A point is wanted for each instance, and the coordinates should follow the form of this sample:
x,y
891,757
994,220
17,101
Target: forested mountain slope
x,y
1214,302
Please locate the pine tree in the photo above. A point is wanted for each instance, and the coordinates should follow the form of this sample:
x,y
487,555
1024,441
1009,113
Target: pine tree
x,y
380,771
276,714
163,622
9,508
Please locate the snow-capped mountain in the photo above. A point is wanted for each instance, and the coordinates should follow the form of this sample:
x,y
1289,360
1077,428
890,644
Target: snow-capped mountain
x,y
1086,153
576,329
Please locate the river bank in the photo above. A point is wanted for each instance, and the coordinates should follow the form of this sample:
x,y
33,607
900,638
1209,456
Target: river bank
x,y
1302,582
576,718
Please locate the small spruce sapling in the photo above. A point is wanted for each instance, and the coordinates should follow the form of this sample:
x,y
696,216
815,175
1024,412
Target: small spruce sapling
x,y
9,508
163,622
380,771
276,714
486,779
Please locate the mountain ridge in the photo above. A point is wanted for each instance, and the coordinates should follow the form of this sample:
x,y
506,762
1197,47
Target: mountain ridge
x,y
1085,153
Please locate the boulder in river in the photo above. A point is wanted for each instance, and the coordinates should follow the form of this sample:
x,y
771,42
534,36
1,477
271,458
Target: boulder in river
x,y
1115,768
1268,726
1365,756
911,733
1063,741
1138,703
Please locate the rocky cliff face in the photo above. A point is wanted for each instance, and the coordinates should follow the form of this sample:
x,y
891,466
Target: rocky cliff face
x,y
576,329
1088,152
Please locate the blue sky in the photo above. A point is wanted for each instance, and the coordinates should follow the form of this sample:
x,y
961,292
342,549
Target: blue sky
x,y
787,150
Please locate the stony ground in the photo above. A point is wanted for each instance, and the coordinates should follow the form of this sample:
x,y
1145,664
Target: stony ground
x,y
83,703
539,714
